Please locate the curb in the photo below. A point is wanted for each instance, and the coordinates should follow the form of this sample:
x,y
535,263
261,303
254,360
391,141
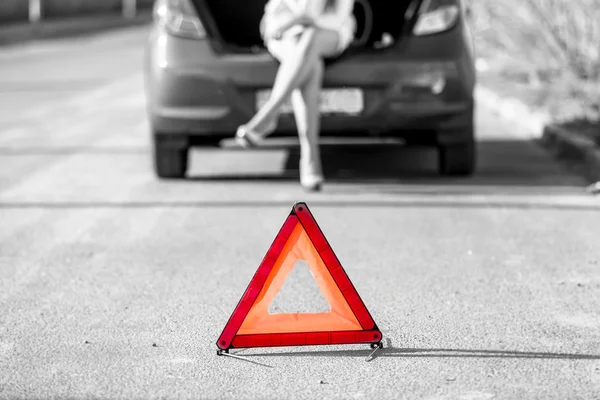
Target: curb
x,y
536,125
68,27
570,145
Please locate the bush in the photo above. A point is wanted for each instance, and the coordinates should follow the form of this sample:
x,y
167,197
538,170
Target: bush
x,y
552,36
550,44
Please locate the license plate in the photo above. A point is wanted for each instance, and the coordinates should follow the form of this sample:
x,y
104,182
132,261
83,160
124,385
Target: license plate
x,y
331,101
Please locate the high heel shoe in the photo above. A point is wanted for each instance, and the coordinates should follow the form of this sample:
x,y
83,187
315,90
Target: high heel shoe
x,y
247,138
314,185
311,179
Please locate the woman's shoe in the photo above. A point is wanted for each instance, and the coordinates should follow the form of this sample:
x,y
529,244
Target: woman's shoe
x,y
311,179
247,138
314,186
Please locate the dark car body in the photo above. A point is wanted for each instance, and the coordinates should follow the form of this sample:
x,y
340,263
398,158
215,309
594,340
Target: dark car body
x,y
205,65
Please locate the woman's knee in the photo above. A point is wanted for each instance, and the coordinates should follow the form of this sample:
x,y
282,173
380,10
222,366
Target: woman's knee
x,y
314,43
307,43
327,42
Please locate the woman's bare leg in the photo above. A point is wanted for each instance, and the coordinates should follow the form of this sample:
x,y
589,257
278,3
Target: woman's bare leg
x,y
301,58
305,102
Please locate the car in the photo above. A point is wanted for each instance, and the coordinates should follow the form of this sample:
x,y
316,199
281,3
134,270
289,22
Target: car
x,y
409,75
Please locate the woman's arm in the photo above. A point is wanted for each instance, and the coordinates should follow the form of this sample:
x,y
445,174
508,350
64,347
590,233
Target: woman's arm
x,y
334,20
285,14
301,19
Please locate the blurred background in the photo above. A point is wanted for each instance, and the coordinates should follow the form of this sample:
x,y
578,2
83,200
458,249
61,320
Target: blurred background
x,y
23,20
545,52
19,10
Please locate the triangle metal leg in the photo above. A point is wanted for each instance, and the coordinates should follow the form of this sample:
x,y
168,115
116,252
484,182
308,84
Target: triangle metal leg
x,y
376,347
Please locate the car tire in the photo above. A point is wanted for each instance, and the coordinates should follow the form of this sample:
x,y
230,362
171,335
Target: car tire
x,y
170,156
457,159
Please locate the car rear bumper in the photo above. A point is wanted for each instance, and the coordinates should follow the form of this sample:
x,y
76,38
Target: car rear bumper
x,y
193,91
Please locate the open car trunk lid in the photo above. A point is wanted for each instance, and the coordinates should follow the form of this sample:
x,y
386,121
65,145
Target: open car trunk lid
x,y
235,23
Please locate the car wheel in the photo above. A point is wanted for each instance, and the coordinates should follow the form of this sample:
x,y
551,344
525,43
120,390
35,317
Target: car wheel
x,y
170,156
457,159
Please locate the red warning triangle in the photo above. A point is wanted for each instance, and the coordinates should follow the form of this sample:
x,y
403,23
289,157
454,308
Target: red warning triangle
x,y
347,322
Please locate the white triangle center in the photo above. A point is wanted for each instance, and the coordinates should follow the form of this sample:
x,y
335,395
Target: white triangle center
x,y
299,293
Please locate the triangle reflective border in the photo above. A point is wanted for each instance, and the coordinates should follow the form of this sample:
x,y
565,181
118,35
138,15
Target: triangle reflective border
x,y
348,321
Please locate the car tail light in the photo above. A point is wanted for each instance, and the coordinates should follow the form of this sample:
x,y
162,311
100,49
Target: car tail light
x,y
436,16
179,18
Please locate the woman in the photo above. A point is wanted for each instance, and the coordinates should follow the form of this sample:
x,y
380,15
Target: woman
x,y
300,34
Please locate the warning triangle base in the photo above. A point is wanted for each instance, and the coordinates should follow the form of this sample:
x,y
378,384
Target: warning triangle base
x,y
348,322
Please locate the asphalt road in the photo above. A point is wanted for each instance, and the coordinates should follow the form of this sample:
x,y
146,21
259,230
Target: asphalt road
x,y
116,285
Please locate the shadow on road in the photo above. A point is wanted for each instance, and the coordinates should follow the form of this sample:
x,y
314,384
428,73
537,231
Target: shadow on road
x,y
512,174
390,351
225,204
430,353
501,163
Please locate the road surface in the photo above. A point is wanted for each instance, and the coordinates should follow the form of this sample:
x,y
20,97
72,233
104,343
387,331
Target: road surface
x,y
116,285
